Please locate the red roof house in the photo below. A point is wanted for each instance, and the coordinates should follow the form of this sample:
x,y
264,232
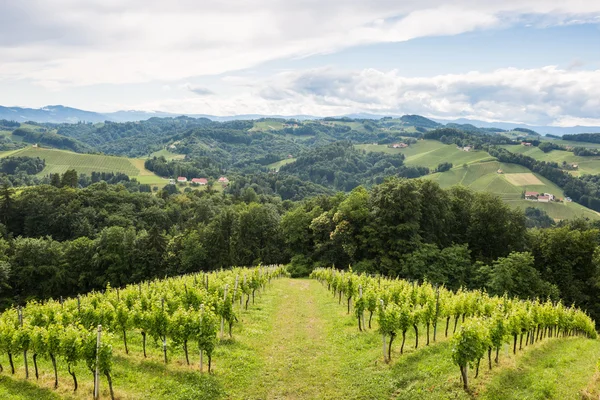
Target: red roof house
x,y
223,179
200,181
181,179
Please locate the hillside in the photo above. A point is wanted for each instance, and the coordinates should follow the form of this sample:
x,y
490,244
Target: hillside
x,y
479,171
59,161
586,165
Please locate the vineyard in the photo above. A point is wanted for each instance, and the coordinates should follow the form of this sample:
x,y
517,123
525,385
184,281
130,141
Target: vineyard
x,y
189,311
242,333
487,322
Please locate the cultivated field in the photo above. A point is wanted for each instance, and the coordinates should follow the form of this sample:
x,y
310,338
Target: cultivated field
x,y
510,185
279,164
587,165
430,153
59,161
267,125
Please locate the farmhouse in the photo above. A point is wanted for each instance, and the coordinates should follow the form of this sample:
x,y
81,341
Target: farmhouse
x,y
574,166
543,199
171,181
181,179
525,144
223,179
500,171
531,195
200,181
399,146
466,148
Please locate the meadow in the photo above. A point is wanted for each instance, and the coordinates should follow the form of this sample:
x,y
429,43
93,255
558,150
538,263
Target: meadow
x,y
586,165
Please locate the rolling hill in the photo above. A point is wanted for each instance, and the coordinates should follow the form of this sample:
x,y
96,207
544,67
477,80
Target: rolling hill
x,y
59,161
479,171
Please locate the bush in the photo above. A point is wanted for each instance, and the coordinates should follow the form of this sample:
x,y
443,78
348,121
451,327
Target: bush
x,y
300,266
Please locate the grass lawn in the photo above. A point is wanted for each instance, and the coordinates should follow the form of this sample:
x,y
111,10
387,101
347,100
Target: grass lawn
x,y
587,165
297,342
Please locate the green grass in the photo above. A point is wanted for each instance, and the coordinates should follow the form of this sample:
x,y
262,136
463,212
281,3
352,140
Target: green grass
x,y
279,164
267,125
297,342
484,177
430,153
59,161
553,370
587,165
573,143
167,155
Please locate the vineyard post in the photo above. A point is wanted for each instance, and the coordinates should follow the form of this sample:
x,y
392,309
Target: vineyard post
x,y
242,296
362,314
383,334
78,303
206,281
164,339
201,320
437,310
20,311
118,296
61,302
237,278
223,317
97,372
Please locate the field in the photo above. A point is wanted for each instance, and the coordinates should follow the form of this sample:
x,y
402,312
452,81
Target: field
x,y
430,153
298,343
59,161
167,155
479,171
510,185
267,125
279,164
587,165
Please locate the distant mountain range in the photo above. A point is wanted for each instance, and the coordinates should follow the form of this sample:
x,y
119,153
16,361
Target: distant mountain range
x,y
62,114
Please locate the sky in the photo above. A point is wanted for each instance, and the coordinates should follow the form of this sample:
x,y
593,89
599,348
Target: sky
x,y
523,61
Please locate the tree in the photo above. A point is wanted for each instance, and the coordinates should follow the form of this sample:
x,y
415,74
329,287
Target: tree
x,y
70,179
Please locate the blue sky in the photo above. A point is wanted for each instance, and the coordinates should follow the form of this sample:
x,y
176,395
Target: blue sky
x,y
527,61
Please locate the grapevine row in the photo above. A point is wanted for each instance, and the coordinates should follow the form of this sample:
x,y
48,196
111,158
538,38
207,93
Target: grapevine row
x,y
488,321
174,311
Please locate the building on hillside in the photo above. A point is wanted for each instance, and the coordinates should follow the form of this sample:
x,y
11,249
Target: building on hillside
x,y
525,144
574,166
398,146
467,148
171,181
290,156
500,171
543,199
181,179
531,195
223,180
200,181
550,196
568,199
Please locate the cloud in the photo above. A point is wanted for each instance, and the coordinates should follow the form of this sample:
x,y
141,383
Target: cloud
x,y
541,96
199,90
71,42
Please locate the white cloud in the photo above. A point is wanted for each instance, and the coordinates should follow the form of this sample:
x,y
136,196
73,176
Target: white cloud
x,y
544,96
71,42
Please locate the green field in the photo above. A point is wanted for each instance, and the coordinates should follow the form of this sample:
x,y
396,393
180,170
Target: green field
x,y
167,155
297,342
430,153
279,164
587,165
267,125
59,161
572,143
485,178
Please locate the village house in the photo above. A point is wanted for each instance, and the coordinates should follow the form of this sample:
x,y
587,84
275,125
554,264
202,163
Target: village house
x,y
223,180
525,144
398,146
181,179
500,171
466,148
574,166
200,181
543,199
531,195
